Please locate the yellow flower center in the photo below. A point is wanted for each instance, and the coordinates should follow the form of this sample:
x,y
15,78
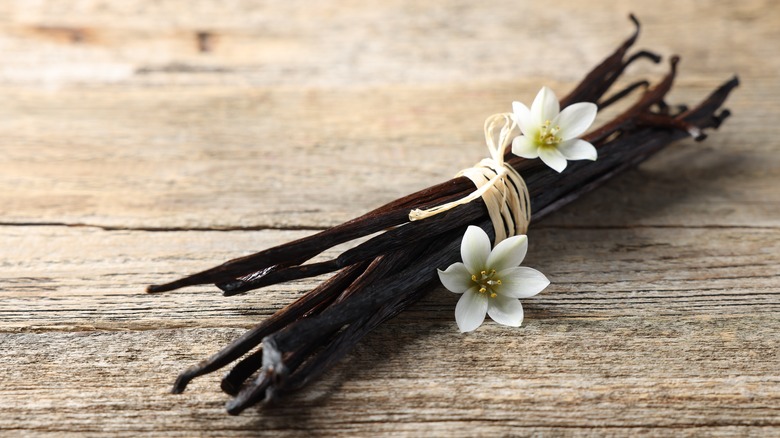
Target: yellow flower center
x,y
487,282
548,135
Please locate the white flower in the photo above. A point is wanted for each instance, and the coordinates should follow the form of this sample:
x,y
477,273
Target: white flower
x,y
551,135
491,282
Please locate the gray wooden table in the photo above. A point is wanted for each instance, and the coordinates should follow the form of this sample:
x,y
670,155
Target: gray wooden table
x,y
143,140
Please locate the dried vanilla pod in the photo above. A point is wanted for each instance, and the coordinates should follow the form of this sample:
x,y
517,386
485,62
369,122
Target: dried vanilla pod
x,y
381,277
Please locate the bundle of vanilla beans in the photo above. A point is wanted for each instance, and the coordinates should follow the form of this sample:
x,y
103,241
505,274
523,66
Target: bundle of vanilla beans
x,y
381,277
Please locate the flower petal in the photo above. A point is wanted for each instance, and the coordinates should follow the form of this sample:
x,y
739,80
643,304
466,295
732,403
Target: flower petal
x,y
521,282
470,310
456,278
575,119
553,158
545,106
576,149
506,311
475,249
509,253
522,116
523,146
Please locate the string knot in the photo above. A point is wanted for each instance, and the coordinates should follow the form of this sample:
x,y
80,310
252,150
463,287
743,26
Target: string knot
x,y
499,185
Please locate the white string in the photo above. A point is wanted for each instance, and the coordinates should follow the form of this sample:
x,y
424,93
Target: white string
x,y
498,184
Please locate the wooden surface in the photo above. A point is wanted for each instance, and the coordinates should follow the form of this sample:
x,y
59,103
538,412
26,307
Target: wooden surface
x,y
142,140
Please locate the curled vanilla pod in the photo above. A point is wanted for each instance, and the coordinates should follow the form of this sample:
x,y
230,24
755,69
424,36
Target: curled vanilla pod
x,y
382,276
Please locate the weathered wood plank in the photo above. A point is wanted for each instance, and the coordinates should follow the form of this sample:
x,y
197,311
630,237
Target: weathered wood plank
x,y
612,376
343,44
224,157
87,279
620,357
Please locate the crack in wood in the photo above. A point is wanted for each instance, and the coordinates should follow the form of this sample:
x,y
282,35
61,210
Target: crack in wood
x,y
164,229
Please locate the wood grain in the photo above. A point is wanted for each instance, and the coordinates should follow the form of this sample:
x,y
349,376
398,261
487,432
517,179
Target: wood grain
x,y
143,140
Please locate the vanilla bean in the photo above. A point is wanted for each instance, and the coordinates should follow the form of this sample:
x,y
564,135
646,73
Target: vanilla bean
x,y
388,241
242,370
604,75
298,251
327,291
384,275
623,93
